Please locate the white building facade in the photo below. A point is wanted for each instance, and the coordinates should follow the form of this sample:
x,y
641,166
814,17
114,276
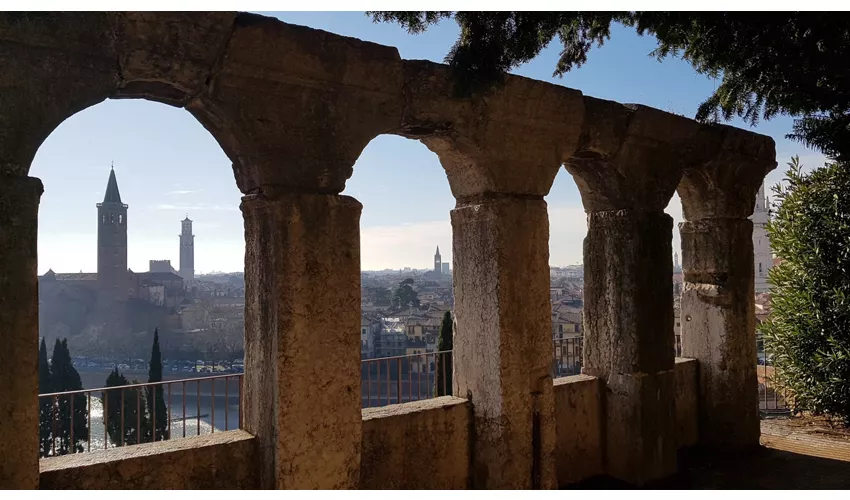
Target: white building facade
x,y
762,252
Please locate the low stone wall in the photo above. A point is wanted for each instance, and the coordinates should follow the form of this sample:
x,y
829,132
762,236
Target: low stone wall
x,y
578,426
225,460
418,445
687,401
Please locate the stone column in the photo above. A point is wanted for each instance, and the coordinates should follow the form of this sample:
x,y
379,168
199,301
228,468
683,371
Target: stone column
x,y
503,343
628,317
718,300
718,328
302,351
19,198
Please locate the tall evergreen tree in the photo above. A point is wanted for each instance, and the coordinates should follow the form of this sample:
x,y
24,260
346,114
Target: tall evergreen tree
x,y
155,397
129,428
444,361
45,405
64,377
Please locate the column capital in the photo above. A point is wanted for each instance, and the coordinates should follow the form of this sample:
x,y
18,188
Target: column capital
x,y
731,165
630,156
509,140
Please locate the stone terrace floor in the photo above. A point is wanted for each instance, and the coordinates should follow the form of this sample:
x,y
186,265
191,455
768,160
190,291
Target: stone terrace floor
x,y
795,454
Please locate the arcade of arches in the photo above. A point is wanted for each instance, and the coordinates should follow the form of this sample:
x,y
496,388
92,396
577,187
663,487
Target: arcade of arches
x,y
293,108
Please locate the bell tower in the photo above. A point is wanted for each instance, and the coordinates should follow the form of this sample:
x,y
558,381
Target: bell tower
x,y
187,250
438,268
112,242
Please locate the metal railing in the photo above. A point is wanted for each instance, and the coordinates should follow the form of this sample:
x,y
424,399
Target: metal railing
x,y
401,379
773,397
106,417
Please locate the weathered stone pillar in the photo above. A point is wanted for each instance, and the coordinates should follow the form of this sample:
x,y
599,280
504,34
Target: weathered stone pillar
x,y
627,169
503,343
628,317
718,327
19,198
718,300
302,354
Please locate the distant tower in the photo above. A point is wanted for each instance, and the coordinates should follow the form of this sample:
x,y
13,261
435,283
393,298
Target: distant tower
x,y
438,268
762,253
675,261
112,274
187,251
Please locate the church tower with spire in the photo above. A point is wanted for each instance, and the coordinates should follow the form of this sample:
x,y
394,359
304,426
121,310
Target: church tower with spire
x,y
112,274
438,268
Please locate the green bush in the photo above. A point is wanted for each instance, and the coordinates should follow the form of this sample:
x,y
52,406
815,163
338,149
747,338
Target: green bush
x,y
808,332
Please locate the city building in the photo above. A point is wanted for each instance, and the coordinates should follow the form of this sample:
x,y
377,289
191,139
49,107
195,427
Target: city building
x,y
762,253
161,266
438,262
445,268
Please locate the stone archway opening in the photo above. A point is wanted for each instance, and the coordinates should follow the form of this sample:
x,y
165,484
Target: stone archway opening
x,y
406,271
567,229
139,225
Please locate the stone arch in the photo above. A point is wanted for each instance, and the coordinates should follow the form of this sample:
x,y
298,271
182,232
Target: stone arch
x,y
71,61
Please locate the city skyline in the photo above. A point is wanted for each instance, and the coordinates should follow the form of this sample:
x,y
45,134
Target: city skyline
x,y
170,165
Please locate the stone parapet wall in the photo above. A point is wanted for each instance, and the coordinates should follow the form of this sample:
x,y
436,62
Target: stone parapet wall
x,y
578,426
580,421
687,402
226,460
419,445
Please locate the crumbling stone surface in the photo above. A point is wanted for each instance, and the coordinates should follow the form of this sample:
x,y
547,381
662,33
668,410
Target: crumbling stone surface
x,y
718,327
628,320
423,445
19,198
302,361
225,460
502,342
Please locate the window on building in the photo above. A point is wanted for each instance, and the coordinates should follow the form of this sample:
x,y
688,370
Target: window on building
x,y
120,219
760,272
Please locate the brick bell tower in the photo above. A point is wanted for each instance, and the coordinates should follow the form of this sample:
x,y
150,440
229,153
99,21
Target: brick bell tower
x,y
112,276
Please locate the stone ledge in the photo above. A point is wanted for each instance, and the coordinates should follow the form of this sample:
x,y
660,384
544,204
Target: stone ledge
x,y
224,460
417,445
445,402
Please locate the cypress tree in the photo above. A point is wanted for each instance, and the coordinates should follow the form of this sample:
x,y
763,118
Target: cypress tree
x,y
444,361
59,375
45,405
155,393
64,377
135,421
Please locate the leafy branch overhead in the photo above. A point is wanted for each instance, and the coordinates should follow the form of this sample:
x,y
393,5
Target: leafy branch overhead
x,y
789,62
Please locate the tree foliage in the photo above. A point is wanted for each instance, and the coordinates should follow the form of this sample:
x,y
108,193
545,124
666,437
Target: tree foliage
x,y
155,399
126,418
45,405
405,295
808,332
64,377
789,62
444,361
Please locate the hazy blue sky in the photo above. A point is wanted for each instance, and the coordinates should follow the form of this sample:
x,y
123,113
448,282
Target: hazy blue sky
x,y
167,165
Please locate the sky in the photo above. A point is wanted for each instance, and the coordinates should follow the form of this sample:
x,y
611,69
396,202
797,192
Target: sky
x,y
168,166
